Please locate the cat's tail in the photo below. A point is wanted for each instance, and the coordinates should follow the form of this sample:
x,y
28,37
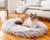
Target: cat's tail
x,y
18,22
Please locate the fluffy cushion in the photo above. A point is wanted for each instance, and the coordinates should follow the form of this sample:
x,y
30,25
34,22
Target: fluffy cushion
x,y
21,31
21,8
45,3
34,2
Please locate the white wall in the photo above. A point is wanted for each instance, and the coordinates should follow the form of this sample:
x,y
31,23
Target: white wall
x,y
12,5
9,6
2,3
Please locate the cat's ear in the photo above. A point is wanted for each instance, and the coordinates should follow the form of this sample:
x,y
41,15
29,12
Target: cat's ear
x,y
31,14
35,14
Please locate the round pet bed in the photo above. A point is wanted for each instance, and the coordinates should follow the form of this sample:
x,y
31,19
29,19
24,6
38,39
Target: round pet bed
x,y
21,31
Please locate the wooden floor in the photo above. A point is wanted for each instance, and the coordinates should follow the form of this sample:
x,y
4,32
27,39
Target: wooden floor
x,y
6,36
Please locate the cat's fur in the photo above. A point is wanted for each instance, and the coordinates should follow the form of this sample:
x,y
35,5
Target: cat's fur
x,y
28,21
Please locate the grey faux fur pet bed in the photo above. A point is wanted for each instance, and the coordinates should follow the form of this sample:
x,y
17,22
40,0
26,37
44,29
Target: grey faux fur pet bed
x,y
21,31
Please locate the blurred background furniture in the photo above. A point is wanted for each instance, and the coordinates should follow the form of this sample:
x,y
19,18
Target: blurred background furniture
x,y
3,6
42,11
41,7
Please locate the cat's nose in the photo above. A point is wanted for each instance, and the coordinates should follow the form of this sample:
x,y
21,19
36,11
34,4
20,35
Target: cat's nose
x,y
34,17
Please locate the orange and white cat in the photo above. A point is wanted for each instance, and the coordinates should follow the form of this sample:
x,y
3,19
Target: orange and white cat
x,y
28,21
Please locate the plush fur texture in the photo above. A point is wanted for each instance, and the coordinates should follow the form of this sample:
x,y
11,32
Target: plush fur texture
x,y
28,21
21,31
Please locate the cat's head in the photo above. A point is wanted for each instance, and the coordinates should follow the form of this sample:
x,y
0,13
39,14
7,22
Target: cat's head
x,y
33,16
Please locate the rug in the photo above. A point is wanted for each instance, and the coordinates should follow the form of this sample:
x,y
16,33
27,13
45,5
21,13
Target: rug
x,y
10,27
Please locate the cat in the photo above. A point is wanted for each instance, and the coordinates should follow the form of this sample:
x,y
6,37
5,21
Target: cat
x,y
28,21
